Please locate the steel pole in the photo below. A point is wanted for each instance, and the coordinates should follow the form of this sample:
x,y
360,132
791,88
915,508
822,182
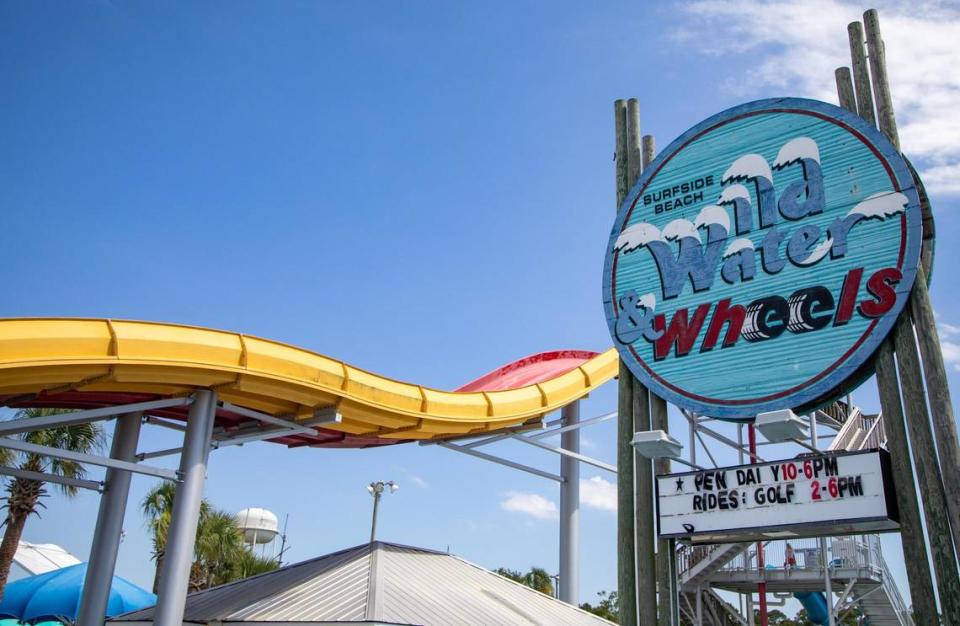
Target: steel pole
x,y
762,586
570,508
373,523
827,583
106,536
178,557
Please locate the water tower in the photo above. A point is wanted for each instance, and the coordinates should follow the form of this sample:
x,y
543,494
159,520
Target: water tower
x,y
259,526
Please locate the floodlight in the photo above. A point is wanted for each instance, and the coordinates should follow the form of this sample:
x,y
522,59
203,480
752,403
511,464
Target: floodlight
x,y
782,425
394,487
656,444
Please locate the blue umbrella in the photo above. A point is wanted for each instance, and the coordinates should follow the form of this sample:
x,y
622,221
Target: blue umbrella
x,y
56,596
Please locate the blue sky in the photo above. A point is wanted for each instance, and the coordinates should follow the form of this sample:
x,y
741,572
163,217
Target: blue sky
x,y
421,189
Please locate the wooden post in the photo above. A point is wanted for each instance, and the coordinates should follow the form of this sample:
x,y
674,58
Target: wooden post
x,y
634,159
861,75
911,528
878,70
666,583
938,393
932,491
626,546
845,89
646,575
649,150
643,514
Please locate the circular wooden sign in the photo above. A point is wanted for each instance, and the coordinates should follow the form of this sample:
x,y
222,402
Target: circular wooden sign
x,y
762,258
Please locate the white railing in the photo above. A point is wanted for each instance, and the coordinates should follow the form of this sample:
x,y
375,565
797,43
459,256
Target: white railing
x,y
856,552
852,428
899,606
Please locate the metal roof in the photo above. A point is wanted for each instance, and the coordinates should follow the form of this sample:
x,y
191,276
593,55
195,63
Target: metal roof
x,y
378,583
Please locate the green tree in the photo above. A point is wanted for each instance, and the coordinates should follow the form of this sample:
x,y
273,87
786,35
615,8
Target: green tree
x,y
607,607
512,574
537,578
23,494
219,554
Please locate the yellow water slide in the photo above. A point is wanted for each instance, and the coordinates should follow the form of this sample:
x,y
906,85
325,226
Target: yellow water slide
x,y
86,363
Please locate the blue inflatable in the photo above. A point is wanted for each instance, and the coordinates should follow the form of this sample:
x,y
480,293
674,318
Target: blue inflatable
x,y
55,596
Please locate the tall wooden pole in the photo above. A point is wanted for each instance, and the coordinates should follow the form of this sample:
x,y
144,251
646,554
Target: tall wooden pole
x,y
646,575
911,528
861,75
626,546
878,72
938,392
845,89
643,514
935,374
912,536
668,610
932,491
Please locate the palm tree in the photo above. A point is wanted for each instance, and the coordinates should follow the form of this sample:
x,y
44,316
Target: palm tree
x,y
157,507
23,494
219,555
537,578
250,564
218,549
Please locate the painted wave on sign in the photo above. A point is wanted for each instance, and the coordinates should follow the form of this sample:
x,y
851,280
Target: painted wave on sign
x,y
754,170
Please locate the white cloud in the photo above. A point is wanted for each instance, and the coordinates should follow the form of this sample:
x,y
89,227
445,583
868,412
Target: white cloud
x,y
951,354
417,480
796,46
949,334
599,493
531,504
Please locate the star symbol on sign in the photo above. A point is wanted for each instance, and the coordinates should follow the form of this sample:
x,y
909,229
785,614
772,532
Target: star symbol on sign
x,y
680,484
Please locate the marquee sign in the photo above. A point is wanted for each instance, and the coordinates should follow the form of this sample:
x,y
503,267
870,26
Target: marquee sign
x,y
762,258
828,494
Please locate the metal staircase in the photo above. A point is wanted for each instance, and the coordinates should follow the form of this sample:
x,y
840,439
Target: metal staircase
x,y
860,432
714,610
859,573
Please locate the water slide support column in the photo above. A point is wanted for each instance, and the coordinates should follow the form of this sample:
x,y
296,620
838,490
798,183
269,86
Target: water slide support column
x,y
106,537
172,591
570,508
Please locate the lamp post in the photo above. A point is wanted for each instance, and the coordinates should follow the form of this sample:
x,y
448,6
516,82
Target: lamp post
x,y
376,489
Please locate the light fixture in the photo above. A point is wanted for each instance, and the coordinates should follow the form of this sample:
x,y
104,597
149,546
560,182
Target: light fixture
x,y
782,425
376,489
656,444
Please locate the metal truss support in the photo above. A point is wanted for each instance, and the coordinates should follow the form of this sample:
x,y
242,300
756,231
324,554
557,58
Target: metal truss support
x,y
269,419
222,438
175,575
568,452
16,472
106,537
569,504
156,421
576,426
14,427
501,461
58,453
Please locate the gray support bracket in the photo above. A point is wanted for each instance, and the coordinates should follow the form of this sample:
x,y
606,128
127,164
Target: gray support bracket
x,y
58,453
577,426
573,455
16,472
156,421
268,419
14,427
501,461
